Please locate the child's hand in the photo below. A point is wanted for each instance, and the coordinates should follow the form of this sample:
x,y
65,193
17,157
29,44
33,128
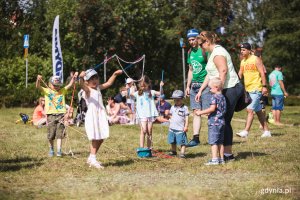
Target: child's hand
x,y
198,112
161,83
39,77
82,74
185,129
118,72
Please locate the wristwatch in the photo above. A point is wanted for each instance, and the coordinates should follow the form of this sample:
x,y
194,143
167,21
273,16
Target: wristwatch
x,y
264,86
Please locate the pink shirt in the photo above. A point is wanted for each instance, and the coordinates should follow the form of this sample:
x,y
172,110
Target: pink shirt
x,y
38,113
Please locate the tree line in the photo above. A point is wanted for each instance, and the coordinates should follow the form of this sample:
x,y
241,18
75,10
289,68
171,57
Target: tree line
x,y
93,29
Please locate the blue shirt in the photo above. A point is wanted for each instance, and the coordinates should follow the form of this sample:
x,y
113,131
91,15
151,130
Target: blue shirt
x,y
162,108
274,79
145,105
217,117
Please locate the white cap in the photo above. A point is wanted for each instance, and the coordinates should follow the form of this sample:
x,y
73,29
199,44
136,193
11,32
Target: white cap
x,y
55,80
129,80
177,94
89,73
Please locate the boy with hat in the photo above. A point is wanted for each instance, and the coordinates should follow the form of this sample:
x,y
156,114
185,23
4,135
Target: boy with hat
x,y
178,124
55,109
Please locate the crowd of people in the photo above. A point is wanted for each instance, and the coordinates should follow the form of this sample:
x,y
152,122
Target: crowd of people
x,y
213,86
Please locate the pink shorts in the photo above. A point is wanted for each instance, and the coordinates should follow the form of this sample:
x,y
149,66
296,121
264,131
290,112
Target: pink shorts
x,y
147,119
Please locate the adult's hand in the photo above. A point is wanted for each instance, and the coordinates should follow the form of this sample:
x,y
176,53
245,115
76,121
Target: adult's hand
x,y
198,96
187,92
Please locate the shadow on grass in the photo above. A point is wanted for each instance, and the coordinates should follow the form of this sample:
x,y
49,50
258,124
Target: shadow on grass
x,y
276,134
195,155
246,154
238,142
16,164
120,163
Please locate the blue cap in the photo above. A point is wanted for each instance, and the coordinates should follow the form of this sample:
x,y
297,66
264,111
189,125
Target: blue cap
x,y
192,33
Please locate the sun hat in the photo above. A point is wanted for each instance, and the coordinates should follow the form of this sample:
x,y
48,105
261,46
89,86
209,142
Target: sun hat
x,y
177,94
129,80
89,73
55,80
192,33
246,45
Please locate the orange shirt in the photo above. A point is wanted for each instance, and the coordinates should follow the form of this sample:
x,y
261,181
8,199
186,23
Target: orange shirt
x,y
38,113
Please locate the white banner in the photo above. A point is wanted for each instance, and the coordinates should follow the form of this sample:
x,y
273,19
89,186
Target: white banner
x,y
57,59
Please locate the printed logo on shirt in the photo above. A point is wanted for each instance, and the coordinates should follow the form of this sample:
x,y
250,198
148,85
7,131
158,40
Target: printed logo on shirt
x,y
197,67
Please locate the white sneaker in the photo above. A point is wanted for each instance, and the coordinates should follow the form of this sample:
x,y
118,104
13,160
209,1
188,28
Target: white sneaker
x,y
243,134
96,164
266,134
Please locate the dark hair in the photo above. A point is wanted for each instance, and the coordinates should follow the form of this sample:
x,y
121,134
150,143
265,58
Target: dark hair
x,y
111,98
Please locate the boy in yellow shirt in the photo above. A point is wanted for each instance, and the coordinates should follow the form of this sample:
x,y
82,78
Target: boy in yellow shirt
x,y
55,108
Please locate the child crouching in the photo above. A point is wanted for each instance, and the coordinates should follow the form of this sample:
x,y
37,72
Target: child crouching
x,y
178,124
216,121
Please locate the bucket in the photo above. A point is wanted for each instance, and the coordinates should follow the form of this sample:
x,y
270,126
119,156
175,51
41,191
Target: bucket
x,y
143,152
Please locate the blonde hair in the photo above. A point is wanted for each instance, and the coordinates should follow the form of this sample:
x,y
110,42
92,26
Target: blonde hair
x,y
210,36
216,82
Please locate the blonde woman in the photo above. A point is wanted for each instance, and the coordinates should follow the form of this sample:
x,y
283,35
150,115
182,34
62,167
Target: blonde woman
x,y
220,65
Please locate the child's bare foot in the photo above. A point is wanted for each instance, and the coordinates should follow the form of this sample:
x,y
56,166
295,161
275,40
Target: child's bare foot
x,y
279,124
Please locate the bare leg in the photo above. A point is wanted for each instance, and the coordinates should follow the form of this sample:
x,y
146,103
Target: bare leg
x,y
58,143
214,151
221,150
182,151
95,145
149,135
262,120
278,115
249,119
196,123
143,133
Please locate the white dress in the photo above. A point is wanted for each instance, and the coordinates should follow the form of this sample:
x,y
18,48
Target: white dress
x,y
96,122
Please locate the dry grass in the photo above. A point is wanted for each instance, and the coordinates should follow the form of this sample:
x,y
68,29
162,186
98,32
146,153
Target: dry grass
x,y
27,172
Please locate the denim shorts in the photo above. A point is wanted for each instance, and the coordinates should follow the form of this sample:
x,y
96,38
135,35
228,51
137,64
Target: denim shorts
x,y
204,102
177,137
216,134
277,102
255,104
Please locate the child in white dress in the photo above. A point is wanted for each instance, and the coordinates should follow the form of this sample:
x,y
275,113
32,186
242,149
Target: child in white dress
x,y
146,111
96,123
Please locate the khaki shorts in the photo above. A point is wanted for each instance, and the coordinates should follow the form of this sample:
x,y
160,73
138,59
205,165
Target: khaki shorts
x,y
55,127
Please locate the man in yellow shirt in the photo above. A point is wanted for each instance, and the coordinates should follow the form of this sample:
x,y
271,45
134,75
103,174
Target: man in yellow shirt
x,y
255,83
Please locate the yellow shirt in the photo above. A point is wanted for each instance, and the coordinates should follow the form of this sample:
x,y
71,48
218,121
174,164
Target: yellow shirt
x,y
251,74
54,101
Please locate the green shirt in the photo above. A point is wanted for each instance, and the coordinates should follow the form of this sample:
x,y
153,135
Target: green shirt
x,y
274,79
198,63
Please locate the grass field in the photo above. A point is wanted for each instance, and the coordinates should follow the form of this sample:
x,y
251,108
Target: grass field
x,y
266,168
